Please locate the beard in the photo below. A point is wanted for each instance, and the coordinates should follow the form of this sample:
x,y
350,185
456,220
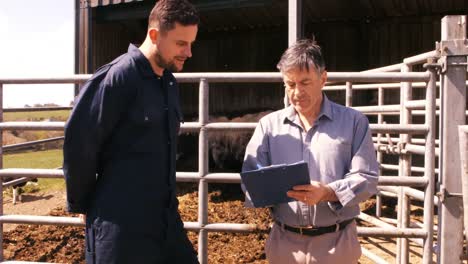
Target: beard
x,y
168,65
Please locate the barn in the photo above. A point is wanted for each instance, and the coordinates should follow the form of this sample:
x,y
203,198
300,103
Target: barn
x,y
250,36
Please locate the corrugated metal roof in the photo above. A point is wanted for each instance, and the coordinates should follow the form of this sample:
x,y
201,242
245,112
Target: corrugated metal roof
x,y
325,9
332,9
95,3
226,15
274,13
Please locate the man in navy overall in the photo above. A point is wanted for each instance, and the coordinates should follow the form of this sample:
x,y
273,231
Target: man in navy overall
x,y
120,147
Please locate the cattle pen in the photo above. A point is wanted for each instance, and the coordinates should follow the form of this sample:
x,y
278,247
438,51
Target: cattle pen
x,y
443,85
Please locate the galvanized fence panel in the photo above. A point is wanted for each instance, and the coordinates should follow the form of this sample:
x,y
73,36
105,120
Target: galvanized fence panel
x,y
203,177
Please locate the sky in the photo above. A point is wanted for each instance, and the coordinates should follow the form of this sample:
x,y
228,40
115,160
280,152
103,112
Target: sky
x,y
37,40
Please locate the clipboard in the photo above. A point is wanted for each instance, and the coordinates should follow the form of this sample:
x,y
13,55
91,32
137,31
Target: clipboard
x,y
268,186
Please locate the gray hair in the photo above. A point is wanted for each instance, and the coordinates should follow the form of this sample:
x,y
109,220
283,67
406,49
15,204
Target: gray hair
x,y
304,54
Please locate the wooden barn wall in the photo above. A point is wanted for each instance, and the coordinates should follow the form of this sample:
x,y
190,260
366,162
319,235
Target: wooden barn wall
x,y
391,41
213,52
110,40
357,46
347,46
362,45
412,38
256,51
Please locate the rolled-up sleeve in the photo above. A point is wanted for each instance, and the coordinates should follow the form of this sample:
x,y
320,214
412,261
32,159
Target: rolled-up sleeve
x,y
256,156
94,116
361,181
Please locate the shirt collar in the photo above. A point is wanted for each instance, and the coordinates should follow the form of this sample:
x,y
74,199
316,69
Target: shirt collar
x,y
325,110
142,62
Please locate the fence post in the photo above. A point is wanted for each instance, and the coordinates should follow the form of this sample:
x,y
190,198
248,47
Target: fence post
x,y
429,164
1,167
380,100
349,94
463,136
85,61
295,30
203,109
453,106
404,169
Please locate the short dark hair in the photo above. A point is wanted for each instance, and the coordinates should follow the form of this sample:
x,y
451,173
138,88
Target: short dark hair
x,y
167,12
303,54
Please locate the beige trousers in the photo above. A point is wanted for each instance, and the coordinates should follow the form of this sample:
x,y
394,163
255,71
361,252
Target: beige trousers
x,y
284,247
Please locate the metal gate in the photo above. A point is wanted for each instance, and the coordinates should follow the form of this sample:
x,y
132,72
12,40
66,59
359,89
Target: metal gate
x,y
399,185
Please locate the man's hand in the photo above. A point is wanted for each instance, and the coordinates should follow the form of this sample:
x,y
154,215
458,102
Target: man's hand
x,y
312,193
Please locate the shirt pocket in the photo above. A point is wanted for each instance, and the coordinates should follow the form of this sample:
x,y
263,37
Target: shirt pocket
x,y
150,107
144,117
145,129
334,159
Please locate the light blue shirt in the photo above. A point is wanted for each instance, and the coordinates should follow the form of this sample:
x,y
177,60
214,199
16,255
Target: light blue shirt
x,y
338,149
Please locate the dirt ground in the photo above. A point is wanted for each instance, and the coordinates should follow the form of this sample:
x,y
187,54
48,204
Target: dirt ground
x,y
66,244
32,204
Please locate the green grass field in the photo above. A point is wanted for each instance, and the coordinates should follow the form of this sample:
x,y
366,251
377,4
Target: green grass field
x,y
49,159
56,115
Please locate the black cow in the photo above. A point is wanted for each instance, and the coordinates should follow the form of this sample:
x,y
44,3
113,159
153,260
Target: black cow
x,y
226,148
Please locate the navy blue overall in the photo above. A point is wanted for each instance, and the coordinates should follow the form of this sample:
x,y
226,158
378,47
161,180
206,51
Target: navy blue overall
x,y
119,164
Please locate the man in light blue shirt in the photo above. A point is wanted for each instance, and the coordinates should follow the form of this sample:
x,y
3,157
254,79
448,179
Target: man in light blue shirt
x,y
336,143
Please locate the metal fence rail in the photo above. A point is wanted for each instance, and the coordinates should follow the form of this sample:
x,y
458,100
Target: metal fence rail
x,y
30,143
203,177
36,109
413,181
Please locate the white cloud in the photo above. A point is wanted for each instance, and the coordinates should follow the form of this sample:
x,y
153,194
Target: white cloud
x,y
39,54
20,95
4,29
38,44
51,55
3,24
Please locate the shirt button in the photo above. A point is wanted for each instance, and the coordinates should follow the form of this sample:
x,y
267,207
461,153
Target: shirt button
x,y
170,83
168,142
166,109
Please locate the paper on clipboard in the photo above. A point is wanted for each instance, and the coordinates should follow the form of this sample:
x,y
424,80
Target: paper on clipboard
x,y
268,186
